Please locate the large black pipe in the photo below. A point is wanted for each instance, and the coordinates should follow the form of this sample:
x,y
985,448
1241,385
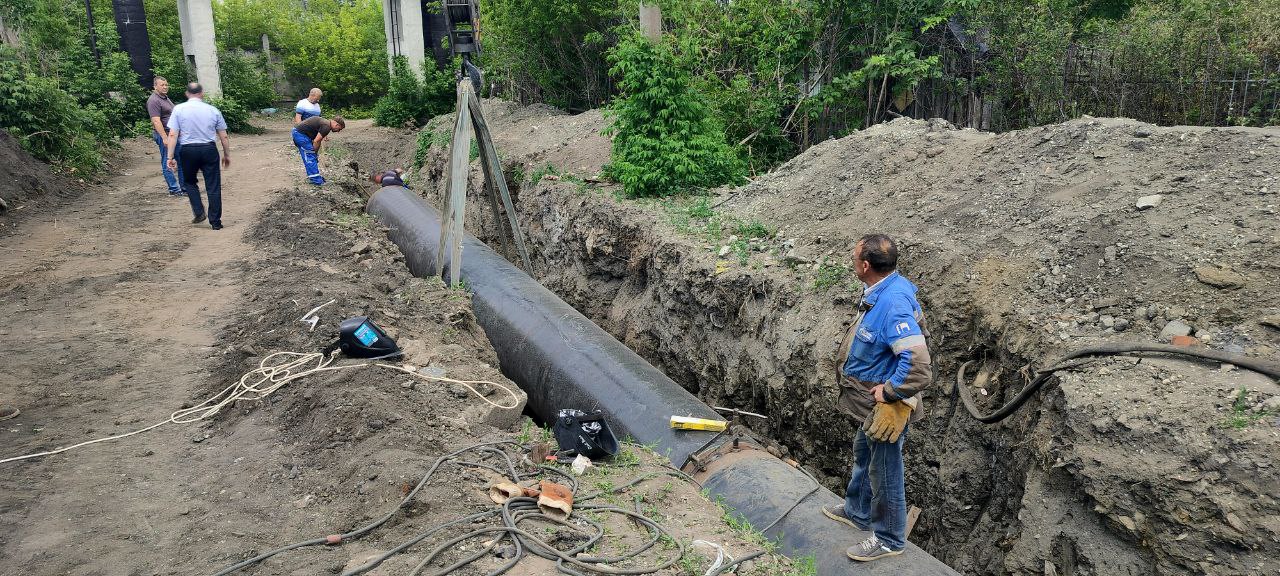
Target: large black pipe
x,y
563,360
556,354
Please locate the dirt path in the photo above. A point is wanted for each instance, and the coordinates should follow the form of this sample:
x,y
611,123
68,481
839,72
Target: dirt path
x,y
111,305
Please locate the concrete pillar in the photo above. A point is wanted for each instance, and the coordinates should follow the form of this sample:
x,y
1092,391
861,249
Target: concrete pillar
x,y
402,21
651,21
195,17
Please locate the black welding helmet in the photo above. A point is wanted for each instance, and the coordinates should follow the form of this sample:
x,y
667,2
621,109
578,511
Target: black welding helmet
x,y
359,337
587,434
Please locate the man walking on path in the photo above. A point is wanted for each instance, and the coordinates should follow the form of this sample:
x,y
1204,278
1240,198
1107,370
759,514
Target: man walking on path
x,y
885,365
159,107
193,126
308,107
308,137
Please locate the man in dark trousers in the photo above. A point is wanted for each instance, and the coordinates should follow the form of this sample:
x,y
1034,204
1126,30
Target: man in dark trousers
x,y
159,108
885,364
309,135
193,126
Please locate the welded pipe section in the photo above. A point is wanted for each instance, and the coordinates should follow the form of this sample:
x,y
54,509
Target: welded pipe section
x,y
559,357
563,360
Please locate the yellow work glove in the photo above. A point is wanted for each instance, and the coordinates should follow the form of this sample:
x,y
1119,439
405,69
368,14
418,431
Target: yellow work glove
x,y
887,421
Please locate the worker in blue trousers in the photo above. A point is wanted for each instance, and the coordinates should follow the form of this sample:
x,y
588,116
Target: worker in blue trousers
x,y
309,136
884,366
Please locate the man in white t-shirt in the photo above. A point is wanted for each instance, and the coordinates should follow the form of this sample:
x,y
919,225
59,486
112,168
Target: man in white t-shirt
x,y
307,107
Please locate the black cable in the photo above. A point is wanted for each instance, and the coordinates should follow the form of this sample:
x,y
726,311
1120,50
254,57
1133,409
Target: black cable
x,y
1257,365
335,539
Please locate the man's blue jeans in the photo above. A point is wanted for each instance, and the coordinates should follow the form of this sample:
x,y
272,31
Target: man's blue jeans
x,y
876,496
173,180
307,150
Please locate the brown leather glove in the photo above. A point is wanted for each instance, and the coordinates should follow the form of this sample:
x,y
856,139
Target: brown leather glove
x,y
887,421
556,500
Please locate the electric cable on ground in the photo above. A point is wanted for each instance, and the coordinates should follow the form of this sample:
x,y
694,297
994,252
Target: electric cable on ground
x,y
512,513
1261,366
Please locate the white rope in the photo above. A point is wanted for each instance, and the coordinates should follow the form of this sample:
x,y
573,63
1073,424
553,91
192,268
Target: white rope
x,y
266,379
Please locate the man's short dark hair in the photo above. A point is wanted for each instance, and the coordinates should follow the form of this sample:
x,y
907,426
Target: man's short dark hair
x,y
194,88
880,252
340,121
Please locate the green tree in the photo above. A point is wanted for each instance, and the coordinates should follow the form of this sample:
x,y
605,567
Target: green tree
x,y
665,139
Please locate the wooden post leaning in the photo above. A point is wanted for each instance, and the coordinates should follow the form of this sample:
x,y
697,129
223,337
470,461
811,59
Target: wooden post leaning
x,y
494,174
456,181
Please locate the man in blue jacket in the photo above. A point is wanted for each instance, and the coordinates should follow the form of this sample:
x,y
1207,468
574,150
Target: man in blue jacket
x,y
885,365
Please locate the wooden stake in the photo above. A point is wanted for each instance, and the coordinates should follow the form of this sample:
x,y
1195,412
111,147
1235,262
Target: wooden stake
x,y
459,160
489,155
913,514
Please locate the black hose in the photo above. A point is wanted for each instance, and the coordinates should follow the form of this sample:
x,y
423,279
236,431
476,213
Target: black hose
x,y
1257,365
366,528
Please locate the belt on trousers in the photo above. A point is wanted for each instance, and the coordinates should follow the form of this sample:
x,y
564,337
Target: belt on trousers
x,y
198,144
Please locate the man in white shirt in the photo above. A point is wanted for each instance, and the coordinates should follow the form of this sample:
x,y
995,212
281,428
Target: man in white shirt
x,y
307,107
194,124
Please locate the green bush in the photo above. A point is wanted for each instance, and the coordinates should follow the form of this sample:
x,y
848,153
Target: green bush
x,y
245,80
665,139
337,45
47,121
409,99
236,115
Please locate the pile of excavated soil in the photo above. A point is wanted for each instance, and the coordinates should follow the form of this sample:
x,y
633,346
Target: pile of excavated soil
x,y
24,180
1025,246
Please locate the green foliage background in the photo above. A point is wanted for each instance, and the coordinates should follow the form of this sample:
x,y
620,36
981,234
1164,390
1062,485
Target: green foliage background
x,y
665,138
775,76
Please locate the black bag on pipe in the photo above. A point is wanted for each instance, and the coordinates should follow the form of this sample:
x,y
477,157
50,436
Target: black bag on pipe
x,y
587,434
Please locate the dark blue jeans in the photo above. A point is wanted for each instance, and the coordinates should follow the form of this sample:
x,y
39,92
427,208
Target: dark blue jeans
x,y
876,496
203,158
174,181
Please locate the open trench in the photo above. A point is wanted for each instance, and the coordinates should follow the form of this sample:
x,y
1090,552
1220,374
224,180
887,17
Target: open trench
x,y
762,343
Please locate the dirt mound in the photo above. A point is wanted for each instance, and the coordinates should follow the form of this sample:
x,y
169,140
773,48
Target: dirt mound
x,y
24,180
1025,245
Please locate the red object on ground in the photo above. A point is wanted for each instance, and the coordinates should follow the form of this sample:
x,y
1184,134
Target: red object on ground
x,y
1185,341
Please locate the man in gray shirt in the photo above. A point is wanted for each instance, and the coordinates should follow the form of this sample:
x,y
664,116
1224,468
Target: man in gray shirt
x,y
193,126
159,107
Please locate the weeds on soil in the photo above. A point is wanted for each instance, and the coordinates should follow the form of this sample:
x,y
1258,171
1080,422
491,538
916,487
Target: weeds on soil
x,y
1242,416
829,275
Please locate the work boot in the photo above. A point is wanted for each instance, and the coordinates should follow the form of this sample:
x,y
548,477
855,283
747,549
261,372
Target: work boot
x,y
837,513
870,549
7,412
199,219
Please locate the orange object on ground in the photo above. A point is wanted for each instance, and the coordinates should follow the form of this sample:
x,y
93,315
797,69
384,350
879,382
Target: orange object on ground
x,y
556,500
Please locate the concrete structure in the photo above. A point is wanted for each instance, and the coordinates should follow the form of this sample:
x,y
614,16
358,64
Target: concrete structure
x,y
196,19
651,20
416,29
403,23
